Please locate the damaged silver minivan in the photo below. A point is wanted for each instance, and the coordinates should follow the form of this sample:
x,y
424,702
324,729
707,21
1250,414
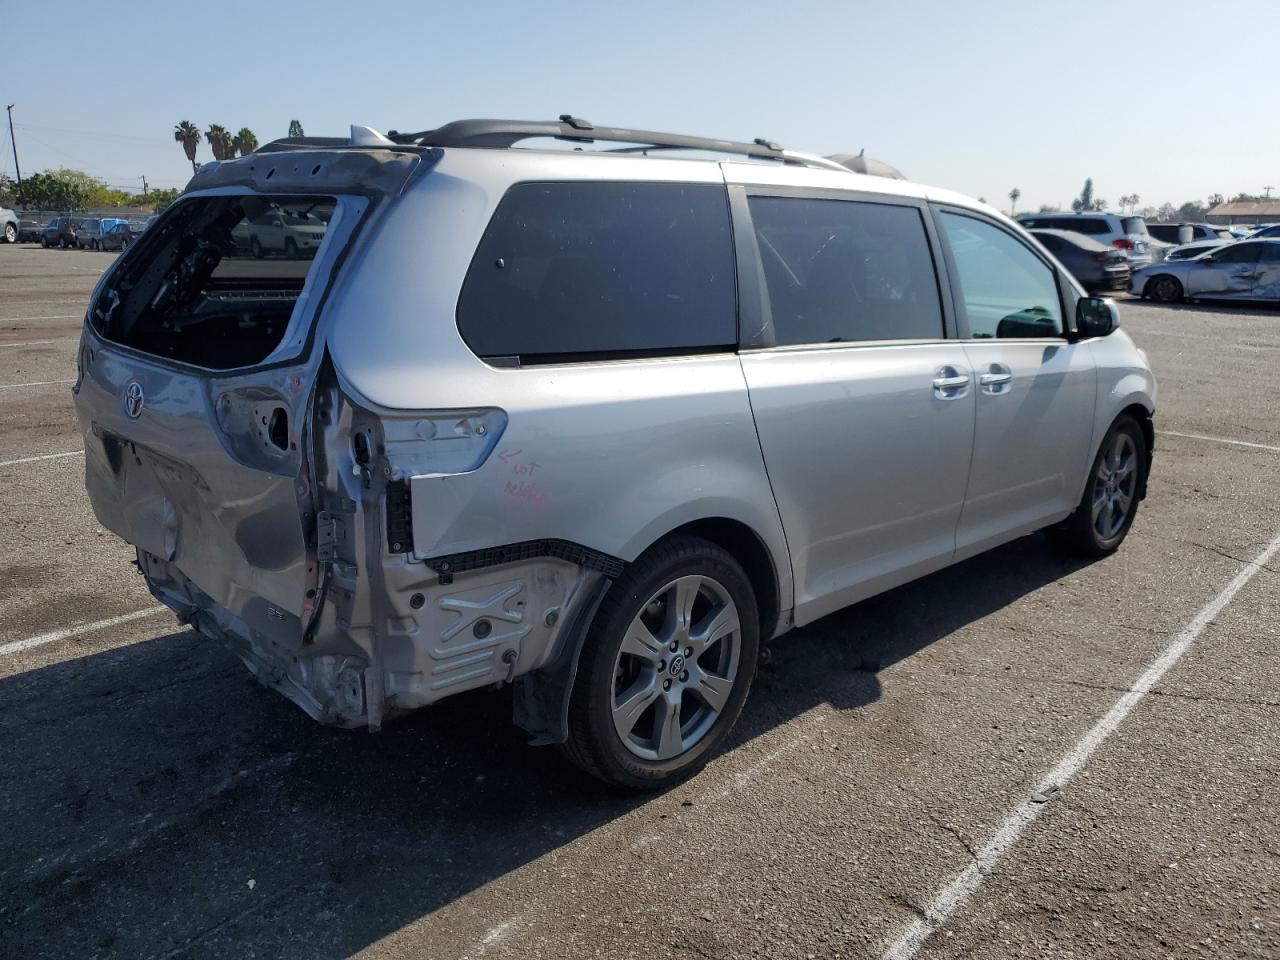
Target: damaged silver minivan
x,y
396,417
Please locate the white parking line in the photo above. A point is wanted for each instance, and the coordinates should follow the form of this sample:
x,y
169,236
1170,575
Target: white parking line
x,y
61,316
47,456
36,343
34,383
1200,436
960,888
17,646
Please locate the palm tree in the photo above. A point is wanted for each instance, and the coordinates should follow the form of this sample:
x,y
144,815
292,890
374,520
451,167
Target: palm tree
x,y
219,141
188,134
245,142
1014,195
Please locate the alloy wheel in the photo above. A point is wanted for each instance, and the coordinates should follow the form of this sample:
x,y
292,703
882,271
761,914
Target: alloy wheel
x,y
1115,486
676,668
1166,289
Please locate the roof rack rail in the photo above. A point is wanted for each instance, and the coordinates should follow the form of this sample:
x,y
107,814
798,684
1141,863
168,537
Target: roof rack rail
x,y
501,134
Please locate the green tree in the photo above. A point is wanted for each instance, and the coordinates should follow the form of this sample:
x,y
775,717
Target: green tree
x,y
295,129
159,199
1084,202
1215,199
1191,210
220,142
8,190
1014,195
188,134
245,142
66,190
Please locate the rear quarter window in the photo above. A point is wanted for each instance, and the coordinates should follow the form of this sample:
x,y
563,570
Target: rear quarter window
x,y
575,270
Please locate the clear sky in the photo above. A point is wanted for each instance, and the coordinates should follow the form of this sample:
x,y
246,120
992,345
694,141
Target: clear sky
x,y
980,96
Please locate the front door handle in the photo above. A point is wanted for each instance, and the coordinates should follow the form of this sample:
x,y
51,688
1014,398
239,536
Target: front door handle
x,y
994,381
949,383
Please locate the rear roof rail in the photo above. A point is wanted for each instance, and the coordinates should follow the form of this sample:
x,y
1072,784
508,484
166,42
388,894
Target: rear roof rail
x,y
502,134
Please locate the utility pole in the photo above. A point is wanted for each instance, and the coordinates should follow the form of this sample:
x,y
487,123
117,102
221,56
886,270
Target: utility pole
x,y
1267,192
16,168
144,188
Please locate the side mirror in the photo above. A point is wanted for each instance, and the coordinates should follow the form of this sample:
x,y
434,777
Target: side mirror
x,y
1095,317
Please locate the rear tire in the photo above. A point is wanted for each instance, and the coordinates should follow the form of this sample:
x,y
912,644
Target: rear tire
x,y
1164,289
643,716
1110,501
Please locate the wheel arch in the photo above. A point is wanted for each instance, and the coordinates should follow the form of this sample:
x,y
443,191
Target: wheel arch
x,y
748,548
541,701
1146,287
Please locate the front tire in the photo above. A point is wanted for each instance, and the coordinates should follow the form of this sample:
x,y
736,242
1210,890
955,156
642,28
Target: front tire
x,y
255,248
666,668
10,233
1164,289
1110,502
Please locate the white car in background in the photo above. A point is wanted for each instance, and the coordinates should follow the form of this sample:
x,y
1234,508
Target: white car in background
x,y
1244,270
1189,251
8,225
295,233
1127,234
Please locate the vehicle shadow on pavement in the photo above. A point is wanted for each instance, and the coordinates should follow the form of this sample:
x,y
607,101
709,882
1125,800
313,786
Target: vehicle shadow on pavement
x,y
157,802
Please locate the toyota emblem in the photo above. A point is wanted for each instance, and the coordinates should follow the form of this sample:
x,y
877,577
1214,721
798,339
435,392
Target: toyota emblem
x,y
133,399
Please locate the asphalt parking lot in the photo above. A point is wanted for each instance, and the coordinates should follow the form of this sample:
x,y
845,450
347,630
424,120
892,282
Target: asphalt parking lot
x,y
157,803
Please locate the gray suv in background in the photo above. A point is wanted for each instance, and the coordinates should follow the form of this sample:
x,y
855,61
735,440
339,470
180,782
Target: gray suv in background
x,y
598,423
1127,234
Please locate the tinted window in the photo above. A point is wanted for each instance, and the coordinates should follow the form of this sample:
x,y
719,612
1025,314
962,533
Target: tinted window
x,y
1049,242
1006,289
839,270
1238,253
1164,231
1271,253
1133,225
602,268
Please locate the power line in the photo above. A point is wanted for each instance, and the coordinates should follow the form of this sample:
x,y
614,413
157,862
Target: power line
x,y
101,134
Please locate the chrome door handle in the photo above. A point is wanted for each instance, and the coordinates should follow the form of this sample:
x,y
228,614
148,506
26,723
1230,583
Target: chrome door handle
x,y
949,383
995,381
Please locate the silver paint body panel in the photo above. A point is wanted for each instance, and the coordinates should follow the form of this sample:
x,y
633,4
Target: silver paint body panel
x,y
845,463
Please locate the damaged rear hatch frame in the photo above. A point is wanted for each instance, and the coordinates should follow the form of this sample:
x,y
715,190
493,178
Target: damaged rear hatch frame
x,y
210,473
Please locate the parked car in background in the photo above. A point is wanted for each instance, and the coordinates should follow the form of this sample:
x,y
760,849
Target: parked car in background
x,y
117,237
1262,233
294,230
1182,233
1187,251
9,225
422,460
29,230
1127,234
1097,266
59,232
1244,270
89,234
1241,230
149,221
91,231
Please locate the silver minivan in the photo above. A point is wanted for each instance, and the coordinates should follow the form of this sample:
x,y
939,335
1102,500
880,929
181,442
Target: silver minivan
x,y
596,422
